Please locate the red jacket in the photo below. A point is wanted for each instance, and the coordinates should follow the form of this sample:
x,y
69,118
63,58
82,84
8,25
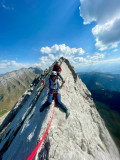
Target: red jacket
x,y
57,68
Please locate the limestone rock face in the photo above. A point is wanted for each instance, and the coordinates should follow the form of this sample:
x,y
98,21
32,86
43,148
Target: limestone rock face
x,y
83,136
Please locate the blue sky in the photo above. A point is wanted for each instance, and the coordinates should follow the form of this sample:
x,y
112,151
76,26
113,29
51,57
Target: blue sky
x,y
36,33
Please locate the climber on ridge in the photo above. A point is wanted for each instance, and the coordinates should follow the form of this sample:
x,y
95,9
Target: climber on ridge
x,y
58,69
54,86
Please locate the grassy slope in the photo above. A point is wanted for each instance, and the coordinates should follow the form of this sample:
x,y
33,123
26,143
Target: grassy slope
x,y
10,93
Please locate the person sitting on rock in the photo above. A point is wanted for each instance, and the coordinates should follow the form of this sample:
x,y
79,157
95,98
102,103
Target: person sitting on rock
x,y
58,69
54,86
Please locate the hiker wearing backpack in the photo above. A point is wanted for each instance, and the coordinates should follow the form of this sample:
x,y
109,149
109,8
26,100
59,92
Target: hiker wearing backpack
x,y
58,69
54,87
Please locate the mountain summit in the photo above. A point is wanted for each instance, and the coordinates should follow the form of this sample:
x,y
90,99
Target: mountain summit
x,y
83,136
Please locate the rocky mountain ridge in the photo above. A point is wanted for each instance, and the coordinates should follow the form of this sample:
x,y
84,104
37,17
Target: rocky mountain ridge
x,y
83,136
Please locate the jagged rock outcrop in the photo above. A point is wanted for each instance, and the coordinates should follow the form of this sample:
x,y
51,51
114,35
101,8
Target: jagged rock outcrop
x,y
83,136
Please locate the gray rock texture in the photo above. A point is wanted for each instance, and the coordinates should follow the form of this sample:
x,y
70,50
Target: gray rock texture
x,y
83,136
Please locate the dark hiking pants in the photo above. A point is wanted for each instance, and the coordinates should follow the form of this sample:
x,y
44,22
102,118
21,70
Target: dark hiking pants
x,y
57,100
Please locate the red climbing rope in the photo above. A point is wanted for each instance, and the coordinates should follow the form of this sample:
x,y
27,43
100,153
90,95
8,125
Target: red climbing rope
x,y
39,144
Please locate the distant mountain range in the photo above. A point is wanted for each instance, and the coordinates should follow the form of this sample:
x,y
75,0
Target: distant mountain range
x,y
111,68
104,87
98,80
13,85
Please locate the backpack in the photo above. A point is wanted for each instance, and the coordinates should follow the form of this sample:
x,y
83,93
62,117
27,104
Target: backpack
x,y
56,68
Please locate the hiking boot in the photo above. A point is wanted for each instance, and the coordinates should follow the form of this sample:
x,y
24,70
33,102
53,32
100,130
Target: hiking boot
x,y
67,113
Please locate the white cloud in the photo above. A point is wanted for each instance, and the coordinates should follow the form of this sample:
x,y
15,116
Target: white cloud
x,y
57,51
51,56
115,50
62,49
107,15
12,64
81,60
74,55
45,61
96,56
45,50
113,60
